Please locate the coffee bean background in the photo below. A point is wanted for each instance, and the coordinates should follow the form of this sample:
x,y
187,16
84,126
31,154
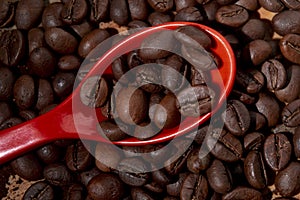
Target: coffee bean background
x,y
242,165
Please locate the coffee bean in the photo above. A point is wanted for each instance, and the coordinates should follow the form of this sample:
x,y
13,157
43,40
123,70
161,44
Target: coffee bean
x,y
12,47
7,10
6,111
286,182
82,29
219,177
27,115
272,5
51,15
256,29
88,175
253,141
161,6
7,82
27,167
139,194
291,113
198,160
112,131
257,51
249,5
243,193
174,189
148,77
73,12
106,186
138,9
40,191
189,14
248,82
74,192
10,122
119,68
35,39
286,22
277,151
232,15
57,174
49,153
119,12
291,4
28,13
157,18
180,4
63,84
289,46
258,120
136,24
194,187
99,10
296,142
24,91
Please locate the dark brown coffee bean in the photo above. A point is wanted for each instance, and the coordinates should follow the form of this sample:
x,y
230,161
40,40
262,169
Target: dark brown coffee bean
x,y
6,83
180,4
219,177
198,77
224,146
12,47
91,40
49,153
148,77
157,18
258,120
287,182
167,114
194,187
57,174
272,5
86,176
35,39
132,105
106,186
99,10
255,170
42,62
174,189
249,5
51,15
27,115
189,14
74,11
138,9
291,113
119,12
161,6
82,29
286,22
275,74
291,4
119,68
78,157
269,107
253,141
27,167
63,84
112,131
256,29
74,192
292,89
139,194
232,15
107,157
243,193
10,122
40,191
195,101
257,51
24,92
277,151
296,142
7,10
69,63
6,111
289,46
60,40
236,118
136,24
134,171
28,13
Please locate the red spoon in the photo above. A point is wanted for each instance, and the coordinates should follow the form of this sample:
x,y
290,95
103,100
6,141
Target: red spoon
x,y
63,122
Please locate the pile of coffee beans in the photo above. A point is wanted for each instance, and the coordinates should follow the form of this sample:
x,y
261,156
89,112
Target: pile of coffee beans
x,y
254,156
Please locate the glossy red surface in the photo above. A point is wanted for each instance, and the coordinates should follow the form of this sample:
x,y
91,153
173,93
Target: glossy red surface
x,y
65,121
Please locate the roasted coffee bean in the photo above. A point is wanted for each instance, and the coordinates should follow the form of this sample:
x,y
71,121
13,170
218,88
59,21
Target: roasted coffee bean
x,y
112,131
224,145
107,157
119,12
69,63
286,22
174,189
189,14
232,15
248,81
289,46
6,111
219,177
198,160
180,4
198,77
253,141
272,5
257,51
42,62
157,18
134,171
291,113
161,177
99,10
12,47
277,151
195,101
35,39
255,170
258,120
269,107
49,153
57,174
138,9
210,9
256,29
106,186
60,40
148,78
86,176
287,182
40,191
136,24
27,115
63,84
291,91
91,40
243,193
249,5
28,13
161,6
291,4
8,10
236,118
194,187
139,193
132,105
74,11
10,122
24,92
78,157
275,74
74,192
119,68
27,167
7,79
51,15
296,142
82,29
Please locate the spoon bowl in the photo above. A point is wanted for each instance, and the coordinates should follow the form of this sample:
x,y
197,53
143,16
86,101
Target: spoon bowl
x,y
63,122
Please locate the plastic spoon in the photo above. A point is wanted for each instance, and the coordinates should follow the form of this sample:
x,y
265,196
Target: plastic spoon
x,y
59,123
